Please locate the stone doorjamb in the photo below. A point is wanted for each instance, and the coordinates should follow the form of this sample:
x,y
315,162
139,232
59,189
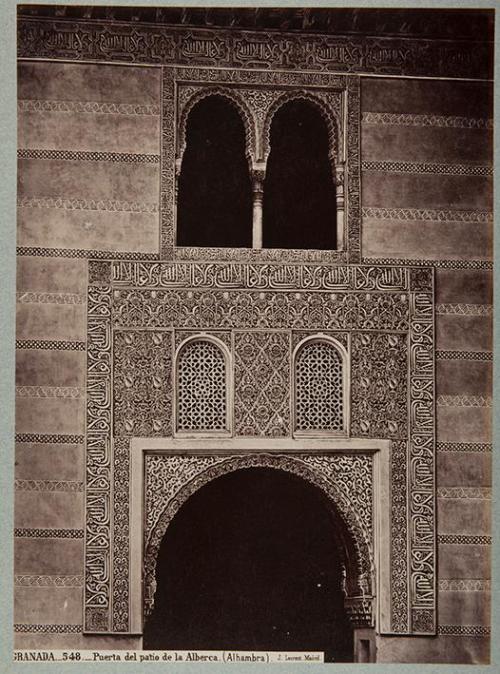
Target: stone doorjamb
x,y
380,449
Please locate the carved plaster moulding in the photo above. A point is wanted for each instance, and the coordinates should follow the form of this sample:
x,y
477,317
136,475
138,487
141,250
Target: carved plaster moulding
x,y
347,481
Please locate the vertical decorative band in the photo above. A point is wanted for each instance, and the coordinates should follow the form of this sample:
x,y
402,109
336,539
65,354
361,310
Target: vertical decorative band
x,y
121,534
399,539
167,175
421,469
98,471
353,170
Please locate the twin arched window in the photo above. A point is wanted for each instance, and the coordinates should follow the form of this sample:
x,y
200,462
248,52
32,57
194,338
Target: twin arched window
x,y
216,206
320,387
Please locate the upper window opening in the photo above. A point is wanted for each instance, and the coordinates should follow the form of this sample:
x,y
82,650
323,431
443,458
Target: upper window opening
x,y
299,208
215,197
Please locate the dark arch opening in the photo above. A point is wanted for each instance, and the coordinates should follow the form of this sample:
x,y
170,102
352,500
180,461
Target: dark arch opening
x,y
215,197
252,562
299,208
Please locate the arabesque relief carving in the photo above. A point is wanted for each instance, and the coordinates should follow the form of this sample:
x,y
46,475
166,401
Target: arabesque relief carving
x,y
382,316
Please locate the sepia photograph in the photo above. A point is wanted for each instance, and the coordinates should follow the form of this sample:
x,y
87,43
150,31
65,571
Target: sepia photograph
x,y
254,334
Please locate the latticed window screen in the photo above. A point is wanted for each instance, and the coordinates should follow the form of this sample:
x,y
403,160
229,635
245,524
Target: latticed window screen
x,y
319,404
201,387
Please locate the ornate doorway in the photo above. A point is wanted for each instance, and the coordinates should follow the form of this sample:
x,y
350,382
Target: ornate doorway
x,y
254,560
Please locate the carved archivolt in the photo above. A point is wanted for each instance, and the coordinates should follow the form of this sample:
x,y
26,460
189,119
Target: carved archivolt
x,y
257,108
190,96
319,101
345,480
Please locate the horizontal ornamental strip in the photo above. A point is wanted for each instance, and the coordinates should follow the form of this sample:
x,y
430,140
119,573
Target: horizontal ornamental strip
x,y
464,355
483,493
29,297
442,264
70,204
432,168
48,485
85,254
464,401
49,392
48,581
463,539
91,107
440,121
464,447
49,439
464,309
81,155
466,585
50,345
48,533
47,629
464,630
426,214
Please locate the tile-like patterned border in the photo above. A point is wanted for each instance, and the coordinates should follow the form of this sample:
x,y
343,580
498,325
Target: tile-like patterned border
x,y
36,297
439,121
483,493
440,264
464,447
484,356
92,107
464,401
465,585
427,167
463,539
48,485
22,628
69,204
48,533
464,630
464,309
50,345
426,214
49,392
48,438
81,155
84,254
48,581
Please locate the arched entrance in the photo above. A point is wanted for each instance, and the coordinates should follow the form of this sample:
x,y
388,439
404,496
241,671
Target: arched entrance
x,y
253,560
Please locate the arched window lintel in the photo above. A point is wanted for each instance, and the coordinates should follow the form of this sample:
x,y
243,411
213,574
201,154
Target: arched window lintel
x,y
232,99
329,117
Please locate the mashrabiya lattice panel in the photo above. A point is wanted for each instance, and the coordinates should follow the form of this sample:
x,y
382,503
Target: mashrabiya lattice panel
x,y
319,398
201,390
